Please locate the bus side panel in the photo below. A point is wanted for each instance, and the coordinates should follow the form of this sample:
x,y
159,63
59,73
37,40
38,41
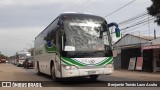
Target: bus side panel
x,y
58,66
44,60
45,49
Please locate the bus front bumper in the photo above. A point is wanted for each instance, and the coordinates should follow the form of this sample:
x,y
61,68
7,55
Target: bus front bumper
x,y
86,72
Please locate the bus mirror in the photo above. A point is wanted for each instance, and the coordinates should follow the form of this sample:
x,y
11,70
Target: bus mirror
x,y
60,23
117,31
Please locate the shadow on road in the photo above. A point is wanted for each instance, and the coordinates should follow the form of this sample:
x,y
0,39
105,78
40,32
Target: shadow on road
x,y
73,82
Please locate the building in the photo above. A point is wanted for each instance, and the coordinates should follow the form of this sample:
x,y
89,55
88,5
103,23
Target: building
x,y
130,46
152,54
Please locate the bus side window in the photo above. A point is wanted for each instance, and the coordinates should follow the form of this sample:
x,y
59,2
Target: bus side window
x,y
58,40
53,37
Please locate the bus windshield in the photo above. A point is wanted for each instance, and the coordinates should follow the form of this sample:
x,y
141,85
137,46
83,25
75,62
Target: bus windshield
x,y
85,34
22,56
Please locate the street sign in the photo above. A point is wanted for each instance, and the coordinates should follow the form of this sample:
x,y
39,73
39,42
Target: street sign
x,y
139,63
132,63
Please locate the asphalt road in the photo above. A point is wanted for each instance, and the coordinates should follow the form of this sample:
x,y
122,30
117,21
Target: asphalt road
x,y
9,72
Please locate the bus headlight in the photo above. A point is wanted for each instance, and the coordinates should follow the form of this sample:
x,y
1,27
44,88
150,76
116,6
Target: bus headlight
x,y
69,67
109,66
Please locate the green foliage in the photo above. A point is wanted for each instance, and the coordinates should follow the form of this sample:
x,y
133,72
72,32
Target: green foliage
x,y
154,10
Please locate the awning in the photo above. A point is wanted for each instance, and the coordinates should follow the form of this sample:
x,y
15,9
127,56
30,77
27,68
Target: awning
x,y
151,47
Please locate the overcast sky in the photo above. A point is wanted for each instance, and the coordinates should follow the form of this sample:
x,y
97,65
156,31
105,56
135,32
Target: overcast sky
x,y
22,20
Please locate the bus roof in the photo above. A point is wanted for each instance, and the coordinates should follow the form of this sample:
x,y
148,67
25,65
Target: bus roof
x,y
79,14
73,14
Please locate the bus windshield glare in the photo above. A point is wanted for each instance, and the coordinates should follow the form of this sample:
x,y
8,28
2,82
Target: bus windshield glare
x,y
84,34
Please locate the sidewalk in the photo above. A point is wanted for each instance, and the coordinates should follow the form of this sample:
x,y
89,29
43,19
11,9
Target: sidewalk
x,y
137,75
138,72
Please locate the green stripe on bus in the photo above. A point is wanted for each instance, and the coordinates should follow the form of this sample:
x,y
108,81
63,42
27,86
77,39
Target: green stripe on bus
x,y
52,49
102,61
110,59
73,62
66,62
105,61
69,61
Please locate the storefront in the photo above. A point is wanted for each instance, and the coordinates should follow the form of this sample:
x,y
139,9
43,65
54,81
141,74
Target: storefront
x,y
127,54
129,46
151,58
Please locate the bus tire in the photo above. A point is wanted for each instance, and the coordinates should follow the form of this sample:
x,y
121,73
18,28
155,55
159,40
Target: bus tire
x,y
93,77
53,75
38,69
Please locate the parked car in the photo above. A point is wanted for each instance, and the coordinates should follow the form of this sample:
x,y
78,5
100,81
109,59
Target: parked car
x,y
28,62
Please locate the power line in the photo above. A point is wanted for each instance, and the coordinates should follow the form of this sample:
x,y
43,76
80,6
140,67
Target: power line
x,y
80,5
138,26
138,23
90,3
142,23
134,18
120,8
141,19
128,31
77,4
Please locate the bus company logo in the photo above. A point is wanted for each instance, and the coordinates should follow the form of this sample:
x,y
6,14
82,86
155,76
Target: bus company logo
x,y
21,84
91,61
6,84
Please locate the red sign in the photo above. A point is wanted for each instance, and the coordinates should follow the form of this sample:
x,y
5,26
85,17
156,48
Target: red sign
x,y
139,63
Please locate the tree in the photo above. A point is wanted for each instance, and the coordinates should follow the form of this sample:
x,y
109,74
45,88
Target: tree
x,y
31,50
154,10
3,56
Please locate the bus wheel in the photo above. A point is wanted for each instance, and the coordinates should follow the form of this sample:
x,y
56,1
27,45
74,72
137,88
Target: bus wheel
x,y
38,69
93,77
53,75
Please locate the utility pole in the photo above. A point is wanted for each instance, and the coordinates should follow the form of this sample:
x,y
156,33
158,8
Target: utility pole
x,y
149,25
0,56
154,34
121,35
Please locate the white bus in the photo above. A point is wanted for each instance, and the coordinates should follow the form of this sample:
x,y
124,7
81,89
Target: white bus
x,y
20,57
74,45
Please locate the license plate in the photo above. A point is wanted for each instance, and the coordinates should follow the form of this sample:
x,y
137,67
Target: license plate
x,y
91,72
